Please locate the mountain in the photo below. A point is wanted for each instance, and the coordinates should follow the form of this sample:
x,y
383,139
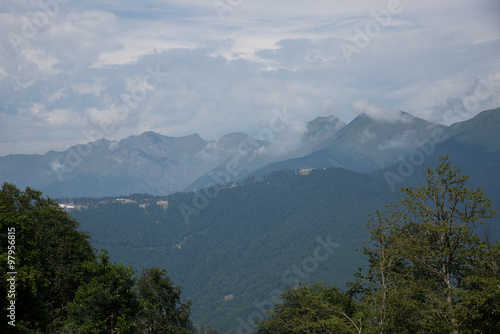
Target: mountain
x,y
474,145
156,164
366,144
146,163
480,130
256,154
233,248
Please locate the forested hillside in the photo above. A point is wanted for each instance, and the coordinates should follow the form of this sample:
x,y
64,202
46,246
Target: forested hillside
x,y
429,269
235,247
246,240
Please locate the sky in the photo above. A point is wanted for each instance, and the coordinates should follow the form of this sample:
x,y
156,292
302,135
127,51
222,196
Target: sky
x,y
77,71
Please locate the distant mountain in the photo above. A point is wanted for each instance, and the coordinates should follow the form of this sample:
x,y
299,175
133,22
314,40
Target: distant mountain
x,y
479,130
366,144
474,145
156,164
149,163
320,132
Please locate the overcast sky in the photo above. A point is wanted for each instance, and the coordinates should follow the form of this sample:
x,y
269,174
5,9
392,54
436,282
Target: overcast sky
x,y
75,71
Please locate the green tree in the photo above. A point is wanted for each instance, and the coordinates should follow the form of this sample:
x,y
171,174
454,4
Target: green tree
x,y
162,310
313,309
107,303
429,269
49,253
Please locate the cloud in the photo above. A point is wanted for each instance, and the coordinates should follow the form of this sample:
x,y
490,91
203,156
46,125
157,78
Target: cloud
x,y
228,75
379,112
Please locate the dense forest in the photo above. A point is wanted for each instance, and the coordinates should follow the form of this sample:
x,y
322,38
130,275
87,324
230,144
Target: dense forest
x,y
237,247
429,269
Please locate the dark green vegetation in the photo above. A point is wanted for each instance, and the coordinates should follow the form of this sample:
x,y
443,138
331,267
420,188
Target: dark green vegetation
x,y
250,240
429,271
62,287
246,243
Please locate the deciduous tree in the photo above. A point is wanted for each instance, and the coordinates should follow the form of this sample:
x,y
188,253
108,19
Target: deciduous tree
x,y
107,302
313,309
429,269
162,309
49,253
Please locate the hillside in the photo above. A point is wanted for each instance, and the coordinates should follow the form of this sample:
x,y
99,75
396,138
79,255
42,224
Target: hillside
x,y
248,241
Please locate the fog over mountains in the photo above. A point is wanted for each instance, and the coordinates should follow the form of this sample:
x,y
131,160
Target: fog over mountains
x,y
156,164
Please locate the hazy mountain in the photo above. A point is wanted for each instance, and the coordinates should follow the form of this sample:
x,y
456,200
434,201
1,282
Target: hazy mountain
x,y
232,248
156,164
480,130
474,145
149,163
254,154
367,144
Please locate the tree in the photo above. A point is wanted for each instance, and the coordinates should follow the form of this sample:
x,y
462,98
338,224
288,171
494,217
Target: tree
x,y
60,285
162,310
429,269
49,252
313,309
107,303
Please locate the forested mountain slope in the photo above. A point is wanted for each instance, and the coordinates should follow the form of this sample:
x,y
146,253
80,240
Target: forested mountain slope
x,y
247,240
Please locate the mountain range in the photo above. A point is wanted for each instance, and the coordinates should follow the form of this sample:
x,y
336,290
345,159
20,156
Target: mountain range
x,y
156,164
284,211
234,247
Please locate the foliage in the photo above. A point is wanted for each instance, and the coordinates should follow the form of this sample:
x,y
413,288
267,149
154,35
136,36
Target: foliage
x,y
106,303
313,309
162,310
49,254
61,287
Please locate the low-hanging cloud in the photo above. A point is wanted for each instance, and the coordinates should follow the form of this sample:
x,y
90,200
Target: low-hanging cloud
x,y
379,112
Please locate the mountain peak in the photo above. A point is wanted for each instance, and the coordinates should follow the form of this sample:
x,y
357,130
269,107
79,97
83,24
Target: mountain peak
x,y
322,121
387,115
322,125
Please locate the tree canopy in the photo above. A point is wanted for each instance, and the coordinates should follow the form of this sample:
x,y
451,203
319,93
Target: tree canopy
x,y
49,254
61,286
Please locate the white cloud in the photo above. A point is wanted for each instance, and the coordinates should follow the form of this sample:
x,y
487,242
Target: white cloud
x,y
226,76
379,112
82,88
